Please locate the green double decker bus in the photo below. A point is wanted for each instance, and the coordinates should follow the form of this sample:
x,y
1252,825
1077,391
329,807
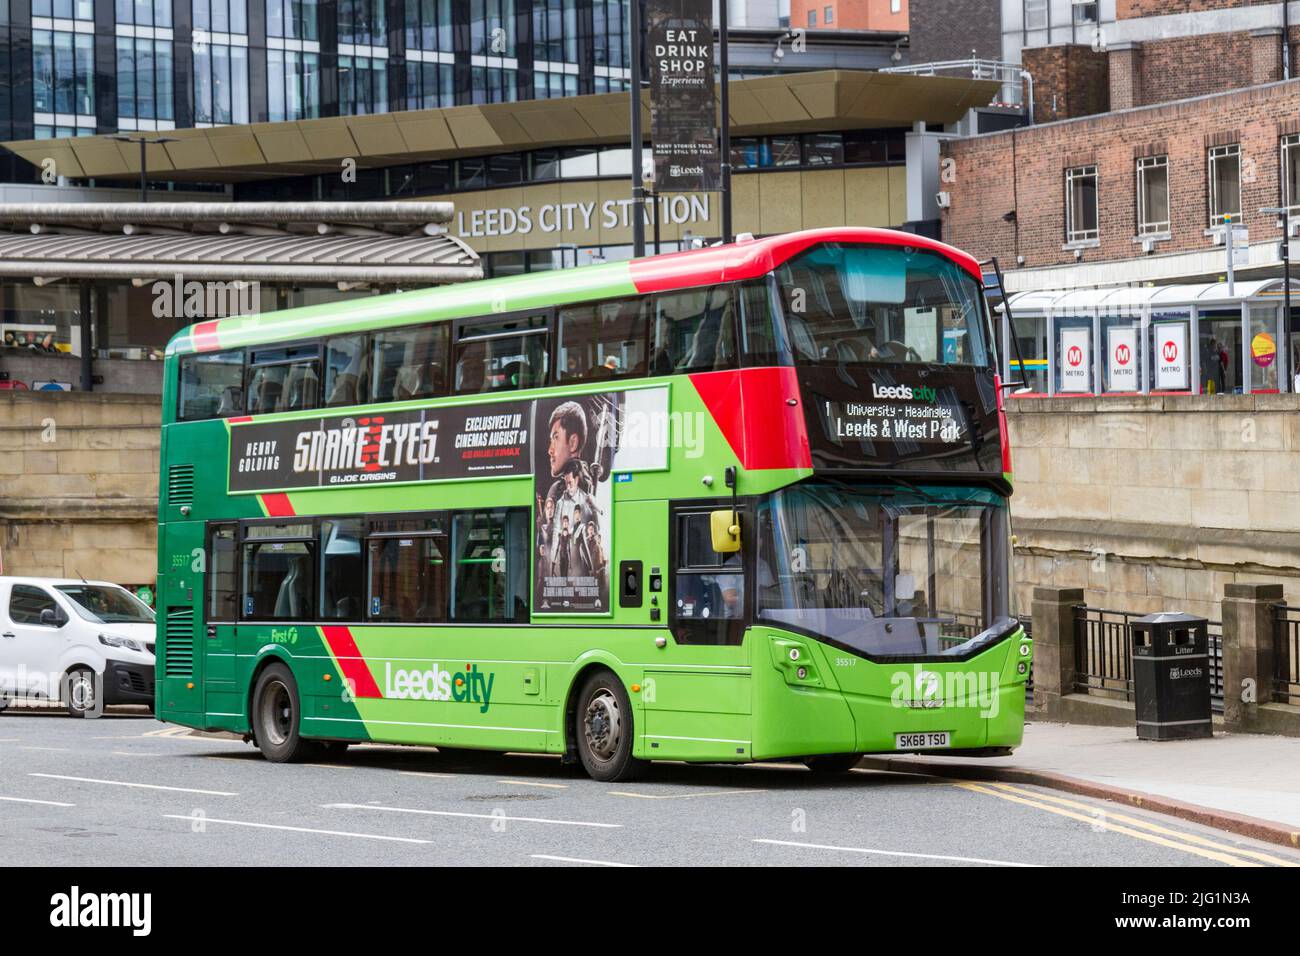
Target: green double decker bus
x,y
742,503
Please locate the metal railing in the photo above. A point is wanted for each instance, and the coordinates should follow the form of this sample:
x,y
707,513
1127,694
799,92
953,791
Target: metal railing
x,y
1286,655
1103,654
1011,92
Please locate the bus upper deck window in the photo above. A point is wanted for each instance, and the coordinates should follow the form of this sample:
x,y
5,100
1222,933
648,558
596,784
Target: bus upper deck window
x,y
501,355
410,363
283,379
212,385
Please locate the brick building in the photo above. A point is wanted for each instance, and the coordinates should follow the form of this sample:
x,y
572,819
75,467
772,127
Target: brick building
x,y
1142,52
849,14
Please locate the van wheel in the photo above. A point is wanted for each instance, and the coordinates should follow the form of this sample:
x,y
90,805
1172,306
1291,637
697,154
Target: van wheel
x,y
832,763
604,730
276,715
79,692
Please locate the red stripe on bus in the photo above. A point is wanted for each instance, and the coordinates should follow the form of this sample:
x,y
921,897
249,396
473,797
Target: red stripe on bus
x,y
753,258
760,413
344,648
277,505
204,335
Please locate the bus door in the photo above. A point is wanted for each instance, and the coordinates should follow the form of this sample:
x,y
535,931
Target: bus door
x,y
700,704
220,607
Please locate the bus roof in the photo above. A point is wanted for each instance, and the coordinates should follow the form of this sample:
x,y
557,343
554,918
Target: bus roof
x,y
736,261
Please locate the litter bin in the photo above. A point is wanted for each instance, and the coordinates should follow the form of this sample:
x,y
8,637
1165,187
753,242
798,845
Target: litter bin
x,y
1171,677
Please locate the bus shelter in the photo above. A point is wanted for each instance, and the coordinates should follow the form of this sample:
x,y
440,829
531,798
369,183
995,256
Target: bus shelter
x,y
1207,338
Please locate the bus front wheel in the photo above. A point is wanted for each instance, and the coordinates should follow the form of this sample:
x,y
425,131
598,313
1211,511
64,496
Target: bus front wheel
x,y
276,713
604,730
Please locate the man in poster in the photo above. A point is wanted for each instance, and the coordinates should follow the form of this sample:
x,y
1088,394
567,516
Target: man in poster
x,y
573,502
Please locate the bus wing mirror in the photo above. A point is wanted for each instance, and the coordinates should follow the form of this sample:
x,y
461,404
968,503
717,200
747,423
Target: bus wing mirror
x,y
725,530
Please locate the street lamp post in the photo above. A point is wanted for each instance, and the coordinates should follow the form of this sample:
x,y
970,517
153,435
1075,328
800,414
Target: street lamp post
x,y
144,142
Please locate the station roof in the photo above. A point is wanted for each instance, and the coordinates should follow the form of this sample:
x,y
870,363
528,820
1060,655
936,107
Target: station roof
x,y
322,243
1203,295
820,100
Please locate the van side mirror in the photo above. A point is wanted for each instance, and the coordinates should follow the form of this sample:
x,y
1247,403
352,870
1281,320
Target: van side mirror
x,y
51,618
724,527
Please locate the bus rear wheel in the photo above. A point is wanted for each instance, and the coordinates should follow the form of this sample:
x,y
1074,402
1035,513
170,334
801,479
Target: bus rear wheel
x,y
832,763
276,715
604,730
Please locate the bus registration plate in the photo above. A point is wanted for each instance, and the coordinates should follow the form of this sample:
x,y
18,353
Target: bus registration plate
x,y
923,741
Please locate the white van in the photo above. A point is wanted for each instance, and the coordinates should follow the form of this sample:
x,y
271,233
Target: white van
x,y
85,643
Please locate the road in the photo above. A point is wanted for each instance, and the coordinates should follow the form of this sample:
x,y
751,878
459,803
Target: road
x,y
128,790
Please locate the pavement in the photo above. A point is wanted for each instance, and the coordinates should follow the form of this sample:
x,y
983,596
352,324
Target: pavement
x,y
1245,783
128,790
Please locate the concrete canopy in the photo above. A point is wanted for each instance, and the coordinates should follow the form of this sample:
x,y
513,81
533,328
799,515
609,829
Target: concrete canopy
x,y
793,102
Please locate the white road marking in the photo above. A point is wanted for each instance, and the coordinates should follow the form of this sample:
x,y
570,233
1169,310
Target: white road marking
x,y
679,796
276,826
472,816
44,803
574,859
142,786
915,856
426,773
535,783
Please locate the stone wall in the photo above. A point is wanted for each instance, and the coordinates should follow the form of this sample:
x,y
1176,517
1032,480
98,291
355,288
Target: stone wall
x,y
1155,503
79,485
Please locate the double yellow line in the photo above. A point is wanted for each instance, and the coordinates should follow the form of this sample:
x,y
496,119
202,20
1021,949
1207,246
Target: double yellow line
x,y
1103,818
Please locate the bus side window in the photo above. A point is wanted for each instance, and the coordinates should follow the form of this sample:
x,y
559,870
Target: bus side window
x,y
707,603
341,569
490,553
212,385
347,371
407,569
283,379
278,572
222,592
410,363
501,354
694,331
602,340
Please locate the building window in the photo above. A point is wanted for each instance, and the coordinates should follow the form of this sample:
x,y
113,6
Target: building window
x,y
1081,204
363,23
429,85
292,19
143,13
610,44
1291,172
292,85
144,79
1085,11
220,83
1035,14
63,75
1225,184
363,85
429,25
220,16
1153,195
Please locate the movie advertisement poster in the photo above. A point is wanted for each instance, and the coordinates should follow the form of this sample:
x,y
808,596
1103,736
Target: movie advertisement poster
x,y
573,459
